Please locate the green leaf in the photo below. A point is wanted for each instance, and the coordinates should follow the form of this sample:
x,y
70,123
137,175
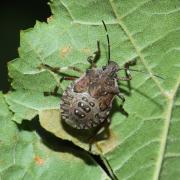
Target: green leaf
x,y
23,155
27,104
146,144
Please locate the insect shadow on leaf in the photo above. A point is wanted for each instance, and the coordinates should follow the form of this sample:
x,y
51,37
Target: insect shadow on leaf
x,y
52,142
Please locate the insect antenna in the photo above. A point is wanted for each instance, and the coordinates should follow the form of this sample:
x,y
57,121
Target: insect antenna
x,y
144,72
107,35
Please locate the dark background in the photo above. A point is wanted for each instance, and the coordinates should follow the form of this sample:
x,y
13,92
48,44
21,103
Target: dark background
x,y
16,15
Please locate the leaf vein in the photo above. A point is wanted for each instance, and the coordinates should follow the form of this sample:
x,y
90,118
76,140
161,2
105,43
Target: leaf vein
x,y
66,7
165,131
139,169
135,151
135,8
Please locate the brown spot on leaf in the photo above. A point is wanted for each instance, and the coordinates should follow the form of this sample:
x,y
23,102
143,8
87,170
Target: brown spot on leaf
x,y
38,160
109,144
65,51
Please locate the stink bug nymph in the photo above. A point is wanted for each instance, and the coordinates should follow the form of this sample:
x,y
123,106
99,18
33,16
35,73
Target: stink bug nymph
x,y
87,101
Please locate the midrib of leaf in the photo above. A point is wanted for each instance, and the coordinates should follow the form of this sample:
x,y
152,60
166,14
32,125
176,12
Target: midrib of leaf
x,y
137,49
168,111
110,170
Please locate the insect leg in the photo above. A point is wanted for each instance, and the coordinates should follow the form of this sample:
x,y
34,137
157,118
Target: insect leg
x,y
69,78
123,111
53,93
102,127
125,78
130,63
122,98
92,59
57,70
126,67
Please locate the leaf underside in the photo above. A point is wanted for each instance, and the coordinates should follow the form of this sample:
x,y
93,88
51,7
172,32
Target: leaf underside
x,y
144,145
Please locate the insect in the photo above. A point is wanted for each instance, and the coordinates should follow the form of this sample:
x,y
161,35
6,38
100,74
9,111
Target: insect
x,y
87,101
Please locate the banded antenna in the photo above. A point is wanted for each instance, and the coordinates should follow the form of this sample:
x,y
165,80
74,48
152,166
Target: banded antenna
x,y
107,35
137,70
156,75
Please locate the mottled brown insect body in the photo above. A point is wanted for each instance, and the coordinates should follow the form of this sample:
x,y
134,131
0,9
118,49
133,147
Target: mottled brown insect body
x,y
86,103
